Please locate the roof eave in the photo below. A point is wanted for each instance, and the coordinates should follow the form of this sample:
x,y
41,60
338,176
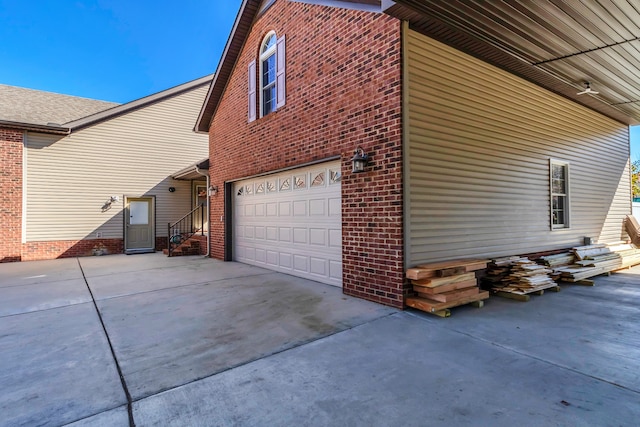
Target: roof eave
x,y
191,172
438,30
137,104
235,43
57,130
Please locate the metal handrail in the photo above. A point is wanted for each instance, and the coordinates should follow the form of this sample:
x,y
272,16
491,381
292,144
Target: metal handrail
x,y
183,229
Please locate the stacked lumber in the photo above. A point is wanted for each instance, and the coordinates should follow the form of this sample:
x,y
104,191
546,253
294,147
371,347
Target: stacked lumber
x,y
498,269
633,229
593,260
443,285
558,260
516,277
630,255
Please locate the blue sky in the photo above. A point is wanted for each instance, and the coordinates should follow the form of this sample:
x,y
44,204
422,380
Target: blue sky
x,y
119,50
113,50
635,143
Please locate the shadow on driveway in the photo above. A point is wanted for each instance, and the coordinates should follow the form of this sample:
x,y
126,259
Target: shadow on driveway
x,y
171,321
202,342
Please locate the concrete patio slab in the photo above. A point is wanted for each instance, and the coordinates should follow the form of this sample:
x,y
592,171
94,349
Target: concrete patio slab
x,y
120,263
118,417
170,337
112,279
202,342
55,367
580,328
32,272
398,370
42,296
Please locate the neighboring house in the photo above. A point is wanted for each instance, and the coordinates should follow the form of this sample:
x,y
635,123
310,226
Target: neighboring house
x,y
466,159
82,177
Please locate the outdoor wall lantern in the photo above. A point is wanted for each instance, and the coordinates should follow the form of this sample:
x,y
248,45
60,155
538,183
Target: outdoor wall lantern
x,y
213,190
359,160
172,189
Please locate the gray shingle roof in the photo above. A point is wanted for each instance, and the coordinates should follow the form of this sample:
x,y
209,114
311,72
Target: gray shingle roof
x,y
36,107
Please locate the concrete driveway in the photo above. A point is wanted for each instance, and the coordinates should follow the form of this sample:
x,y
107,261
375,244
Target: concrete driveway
x,y
187,341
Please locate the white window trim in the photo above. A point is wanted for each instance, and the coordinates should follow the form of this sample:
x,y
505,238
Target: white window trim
x,y
281,75
252,91
261,59
567,216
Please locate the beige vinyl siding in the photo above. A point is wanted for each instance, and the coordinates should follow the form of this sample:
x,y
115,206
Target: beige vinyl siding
x,y
479,144
70,178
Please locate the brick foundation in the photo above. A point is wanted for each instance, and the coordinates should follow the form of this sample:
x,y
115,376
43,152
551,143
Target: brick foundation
x,y
343,91
33,251
161,243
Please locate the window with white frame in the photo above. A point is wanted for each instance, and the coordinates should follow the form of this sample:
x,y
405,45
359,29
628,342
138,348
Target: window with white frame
x,y
559,184
267,77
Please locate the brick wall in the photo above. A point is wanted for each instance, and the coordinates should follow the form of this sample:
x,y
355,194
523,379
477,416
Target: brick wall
x,y
343,90
10,194
33,251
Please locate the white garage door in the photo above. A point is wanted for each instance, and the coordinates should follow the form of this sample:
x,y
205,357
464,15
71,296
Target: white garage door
x,y
291,222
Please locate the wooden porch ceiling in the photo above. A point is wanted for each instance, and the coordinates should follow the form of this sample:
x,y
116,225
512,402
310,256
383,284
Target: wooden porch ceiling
x,y
557,44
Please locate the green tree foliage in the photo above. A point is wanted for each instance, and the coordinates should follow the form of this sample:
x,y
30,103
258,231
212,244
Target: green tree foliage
x,y
635,178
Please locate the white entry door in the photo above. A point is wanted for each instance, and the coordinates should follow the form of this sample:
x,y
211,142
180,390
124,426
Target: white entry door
x,y
291,222
139,225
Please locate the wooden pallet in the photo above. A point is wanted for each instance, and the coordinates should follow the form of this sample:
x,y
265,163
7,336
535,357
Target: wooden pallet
x,y
524,294
441,309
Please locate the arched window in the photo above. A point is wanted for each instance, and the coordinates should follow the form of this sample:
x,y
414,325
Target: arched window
x,y
269,89
268,74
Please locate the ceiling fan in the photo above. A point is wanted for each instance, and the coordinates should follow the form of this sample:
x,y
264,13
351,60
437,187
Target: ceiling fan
x,y
587,89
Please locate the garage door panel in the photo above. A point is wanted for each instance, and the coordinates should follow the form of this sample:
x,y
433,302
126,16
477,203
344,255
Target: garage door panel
x,y
318,266
272,258
284,209
335,270
317,207
300,235
272,234
318,236
291,222
300,208
284,234
335,238
301,263
285,260
272,209
335,207
261,255
240,252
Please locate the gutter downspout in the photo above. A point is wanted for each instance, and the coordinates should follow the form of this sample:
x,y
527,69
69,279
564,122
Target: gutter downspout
x,y
199,172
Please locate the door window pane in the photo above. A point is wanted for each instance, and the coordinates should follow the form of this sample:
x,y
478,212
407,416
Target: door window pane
x,y
138,213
